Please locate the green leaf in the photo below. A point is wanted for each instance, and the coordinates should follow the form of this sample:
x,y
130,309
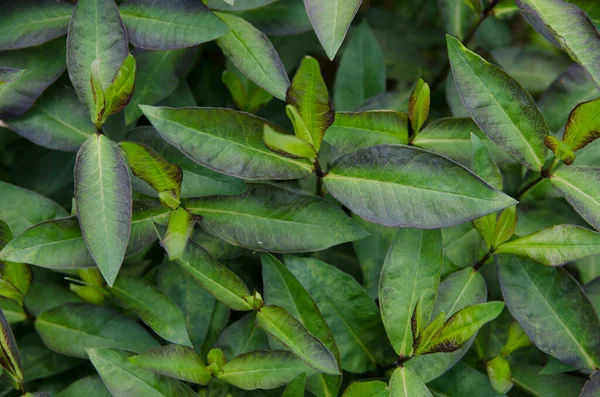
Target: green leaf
x,y
579,186
288,145
498,370
374,388
217,279
119,92
308,93
165,25
253,54
262,370
296,387
42,65
397,185
242,336
90,386
566,26
201,133
418,106
465,323
499,105
247,96
405,383
268,218
29,23
349,311
361,74
552,309
104,204
124,379
153,307
462,380
505,227
429,334
582,127
98,95
592,386
179,230
72,328
57,121
22,208
174,361
331,21
39,362
555,246
170,65
284,290
352,131
459,16
457,291
410,274
9,354
96,34
527,377
46,295
10,74
163,176
281,325
517,338
483,164
561,150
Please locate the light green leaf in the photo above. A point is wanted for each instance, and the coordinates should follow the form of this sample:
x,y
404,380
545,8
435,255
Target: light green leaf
x,y
119,92
555,246
96,34
418,106
174,361
562,151
361,74
225,141
104,204
263,370
98,95
288,145
308,93
459,16
498,370
580,187
248,97
430,333
505,227
405,383
281,325
165,25
516,339
124,379
217,279
508,116
567,27
72,328
374,388
410,274
29,23
552,309
353,131
268,218
331,21
253,54
583,127
296,387
151,305
396,185
9,355
349,311
179,230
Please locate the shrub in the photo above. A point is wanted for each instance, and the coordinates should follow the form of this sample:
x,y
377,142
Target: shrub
x,y
220,199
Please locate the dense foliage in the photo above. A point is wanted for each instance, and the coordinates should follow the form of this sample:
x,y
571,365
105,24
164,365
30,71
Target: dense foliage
x,y
300,198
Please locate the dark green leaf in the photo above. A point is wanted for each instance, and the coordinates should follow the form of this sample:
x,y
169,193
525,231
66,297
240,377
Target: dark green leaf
x,y
580,188
242,336
40,362
90,386
174,361
527,377
462,380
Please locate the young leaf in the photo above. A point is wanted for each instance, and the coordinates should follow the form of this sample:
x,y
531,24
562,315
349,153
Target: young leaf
x,y
123,378
361,74
505,227
566,26
96,34
217,279
9,354
418,106
410,274
517,338
374,388
331,21
104,204
151,305
429,334
552,309
29,23
580,187
277,215
98,95
555,246
308,93
163,176
288,145
498,370
201,133
459,328
165,25
179,230
247,96
582,127
281,325
561,150
352,131
72,328
397,185
405,383
352,316
499,105
253,54
119,92
174,361
263,370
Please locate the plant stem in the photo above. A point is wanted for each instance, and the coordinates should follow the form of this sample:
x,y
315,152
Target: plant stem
x,y
530,186
487,11
483,260
320,174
